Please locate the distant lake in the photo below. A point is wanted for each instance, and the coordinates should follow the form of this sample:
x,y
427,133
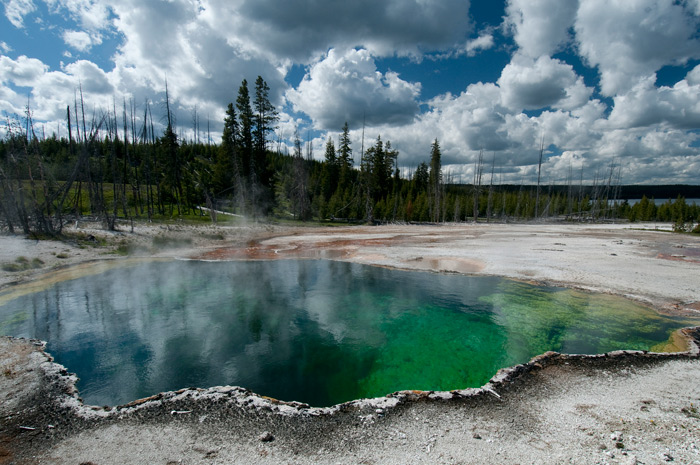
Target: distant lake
x,y
320,332
658,202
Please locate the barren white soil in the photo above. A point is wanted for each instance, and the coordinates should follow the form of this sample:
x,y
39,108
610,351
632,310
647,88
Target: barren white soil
x,y
619,408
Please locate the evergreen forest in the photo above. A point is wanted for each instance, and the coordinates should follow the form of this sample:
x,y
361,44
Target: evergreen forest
x,y
114,166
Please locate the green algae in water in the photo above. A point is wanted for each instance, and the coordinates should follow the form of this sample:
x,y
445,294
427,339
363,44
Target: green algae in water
x,y
319,332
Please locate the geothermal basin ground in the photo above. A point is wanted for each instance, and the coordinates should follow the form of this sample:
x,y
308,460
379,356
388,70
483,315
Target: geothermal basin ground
x,y
622,407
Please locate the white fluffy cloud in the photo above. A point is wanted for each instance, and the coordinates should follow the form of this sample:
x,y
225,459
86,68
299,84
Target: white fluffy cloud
x,y
179,44
95,81
91,15
476,120
346,86
52,91
80,40
545,82
693,77
484,42
646,105
22,72
300,30
629,41
540,27
16,10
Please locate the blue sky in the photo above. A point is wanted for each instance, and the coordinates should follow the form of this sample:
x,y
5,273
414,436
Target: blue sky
x,y
603,83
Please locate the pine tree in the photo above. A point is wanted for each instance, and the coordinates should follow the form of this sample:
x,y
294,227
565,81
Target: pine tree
x,y
329,174
265,117
373,168
245,116
300,196
421,178
344,158
226,168
435,181
170,158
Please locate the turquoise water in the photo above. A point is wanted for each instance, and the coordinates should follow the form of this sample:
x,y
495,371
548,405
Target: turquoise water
x,y
320,332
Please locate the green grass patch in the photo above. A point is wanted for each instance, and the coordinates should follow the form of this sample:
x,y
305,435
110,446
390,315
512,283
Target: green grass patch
x,y
12,267
125,248
83,240
310,223
107,194
213,236
22,264
166,242
691,411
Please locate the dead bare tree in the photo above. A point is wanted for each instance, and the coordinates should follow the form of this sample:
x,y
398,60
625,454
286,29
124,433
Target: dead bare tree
x,y
478,169
490,198
539,173
31,197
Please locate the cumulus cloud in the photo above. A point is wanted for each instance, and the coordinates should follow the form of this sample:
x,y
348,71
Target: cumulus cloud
x,y
481,43
464,124
540,27
9,101
477,120
95,81
630,41
346,86
91,15
300,30
545,82
80,40
178,44
16,10
22,72
51,91
646,105
693,77
474,119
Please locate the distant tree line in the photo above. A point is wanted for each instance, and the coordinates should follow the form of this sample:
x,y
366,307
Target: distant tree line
x,y
114,166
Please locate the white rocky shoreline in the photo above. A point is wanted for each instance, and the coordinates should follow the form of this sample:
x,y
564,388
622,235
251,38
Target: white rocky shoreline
x,y
70,432
67,395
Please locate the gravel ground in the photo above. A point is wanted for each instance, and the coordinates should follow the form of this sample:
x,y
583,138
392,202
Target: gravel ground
x,y
620,408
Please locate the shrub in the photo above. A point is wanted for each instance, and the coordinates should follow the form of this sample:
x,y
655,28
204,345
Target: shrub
x,y
21,264
12,267
162,242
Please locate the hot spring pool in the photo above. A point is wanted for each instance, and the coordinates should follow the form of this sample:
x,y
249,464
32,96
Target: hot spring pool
x,y
314,331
